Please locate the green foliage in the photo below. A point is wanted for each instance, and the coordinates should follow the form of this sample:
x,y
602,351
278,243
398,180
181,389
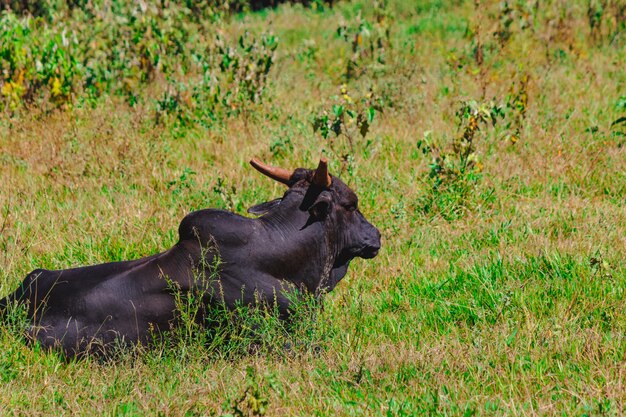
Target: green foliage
x,y
247,65
456,169
368,40
232,78
35,63
122,49
347,119
50,9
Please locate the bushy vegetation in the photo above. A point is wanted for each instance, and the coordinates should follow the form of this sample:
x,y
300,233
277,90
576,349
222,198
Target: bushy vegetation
x,y
485,140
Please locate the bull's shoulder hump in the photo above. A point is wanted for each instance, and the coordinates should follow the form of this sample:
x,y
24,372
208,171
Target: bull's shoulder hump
x,y
213,217
208,223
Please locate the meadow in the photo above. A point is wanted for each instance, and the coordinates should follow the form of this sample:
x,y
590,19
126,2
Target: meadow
x,y
486,140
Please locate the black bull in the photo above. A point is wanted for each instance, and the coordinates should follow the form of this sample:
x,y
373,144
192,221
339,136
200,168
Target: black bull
x,y
304,240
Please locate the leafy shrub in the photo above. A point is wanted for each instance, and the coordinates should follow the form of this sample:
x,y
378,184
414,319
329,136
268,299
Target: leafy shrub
x,y
456,169
247,65
368,40
130,45
346,120
200,9
232,77
122,47
35,64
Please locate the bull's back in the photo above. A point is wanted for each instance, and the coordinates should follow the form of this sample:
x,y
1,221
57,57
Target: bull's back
x,y
43,285
94,305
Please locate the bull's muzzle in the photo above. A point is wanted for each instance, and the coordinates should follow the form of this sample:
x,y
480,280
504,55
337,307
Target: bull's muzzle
x,y
372,245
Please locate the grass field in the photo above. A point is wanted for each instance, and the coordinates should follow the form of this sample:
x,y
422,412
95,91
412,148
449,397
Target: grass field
x,y
487,143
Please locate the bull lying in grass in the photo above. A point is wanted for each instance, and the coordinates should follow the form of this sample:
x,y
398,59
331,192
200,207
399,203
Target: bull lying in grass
x,y
303,241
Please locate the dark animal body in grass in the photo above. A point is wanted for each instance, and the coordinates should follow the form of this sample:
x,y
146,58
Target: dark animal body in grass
x,y
303,242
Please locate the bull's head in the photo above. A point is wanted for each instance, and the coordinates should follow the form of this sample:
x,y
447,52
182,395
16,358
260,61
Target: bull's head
x,y
325,199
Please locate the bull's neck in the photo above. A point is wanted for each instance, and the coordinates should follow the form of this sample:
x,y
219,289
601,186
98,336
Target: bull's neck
x,y
302,250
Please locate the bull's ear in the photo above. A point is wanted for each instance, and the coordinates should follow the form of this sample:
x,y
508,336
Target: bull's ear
x,y
322,205
264,207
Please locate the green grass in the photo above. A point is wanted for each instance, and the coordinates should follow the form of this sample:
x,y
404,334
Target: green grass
x,y
500,286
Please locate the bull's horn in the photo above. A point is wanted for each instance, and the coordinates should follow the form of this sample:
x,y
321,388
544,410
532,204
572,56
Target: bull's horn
x,y
275,173
321,177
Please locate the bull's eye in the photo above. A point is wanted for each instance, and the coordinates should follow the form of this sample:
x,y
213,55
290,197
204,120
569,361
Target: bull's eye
x,y
351,207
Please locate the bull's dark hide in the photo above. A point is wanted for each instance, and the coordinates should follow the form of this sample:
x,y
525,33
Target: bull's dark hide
x,y
304,240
